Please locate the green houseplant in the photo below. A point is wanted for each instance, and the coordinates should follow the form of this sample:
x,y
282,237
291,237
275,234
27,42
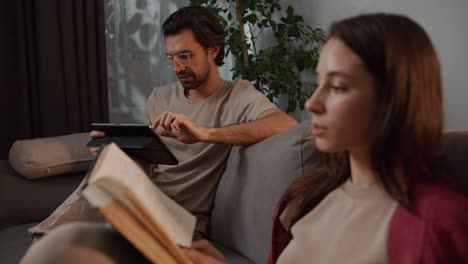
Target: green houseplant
x,y
275,70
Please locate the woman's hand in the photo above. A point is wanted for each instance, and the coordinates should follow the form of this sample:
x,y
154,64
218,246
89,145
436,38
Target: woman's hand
x,y
202,252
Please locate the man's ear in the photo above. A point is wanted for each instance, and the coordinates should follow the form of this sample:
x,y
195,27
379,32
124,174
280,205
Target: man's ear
x,y
213,51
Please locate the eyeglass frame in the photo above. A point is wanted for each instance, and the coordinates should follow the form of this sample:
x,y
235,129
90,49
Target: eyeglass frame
x,y
172,58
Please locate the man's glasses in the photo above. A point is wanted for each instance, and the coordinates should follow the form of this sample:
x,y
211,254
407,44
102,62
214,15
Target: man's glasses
x,y
183,59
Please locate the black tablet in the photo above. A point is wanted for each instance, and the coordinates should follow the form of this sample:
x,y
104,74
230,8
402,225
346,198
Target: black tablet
x,y
137,140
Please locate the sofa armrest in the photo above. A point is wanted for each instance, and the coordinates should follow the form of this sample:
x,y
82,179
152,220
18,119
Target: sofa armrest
x,y
26,201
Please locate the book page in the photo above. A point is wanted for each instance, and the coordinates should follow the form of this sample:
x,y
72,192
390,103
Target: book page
x,y
116,166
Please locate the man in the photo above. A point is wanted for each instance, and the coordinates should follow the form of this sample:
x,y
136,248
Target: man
x,y
200,118
202,115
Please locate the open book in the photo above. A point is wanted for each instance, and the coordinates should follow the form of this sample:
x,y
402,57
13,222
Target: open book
x,y
132,203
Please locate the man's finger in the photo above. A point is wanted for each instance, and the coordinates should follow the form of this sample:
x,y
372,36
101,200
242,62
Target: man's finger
x,y
97,134
166,123
163,132
162,119
170,121
95,151
177,122
156,123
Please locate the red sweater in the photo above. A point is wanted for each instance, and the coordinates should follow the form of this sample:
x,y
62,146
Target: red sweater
x,y
436,232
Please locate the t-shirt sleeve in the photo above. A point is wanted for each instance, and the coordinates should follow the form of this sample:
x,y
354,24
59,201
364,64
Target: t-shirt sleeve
x,y
247,103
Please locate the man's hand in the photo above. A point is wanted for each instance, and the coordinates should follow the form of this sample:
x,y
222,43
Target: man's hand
x,y
96,134
204,253
180,127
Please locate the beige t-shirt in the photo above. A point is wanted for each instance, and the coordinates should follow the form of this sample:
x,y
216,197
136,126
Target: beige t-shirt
x,y
192,183
348,226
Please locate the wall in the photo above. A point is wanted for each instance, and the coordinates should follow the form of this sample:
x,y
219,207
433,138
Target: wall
x,y
445,21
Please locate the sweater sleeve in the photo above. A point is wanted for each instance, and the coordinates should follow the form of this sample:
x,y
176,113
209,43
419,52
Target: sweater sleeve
x,y
447,228
435,230
280,236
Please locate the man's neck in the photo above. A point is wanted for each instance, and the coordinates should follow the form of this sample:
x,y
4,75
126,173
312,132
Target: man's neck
x,y
210,86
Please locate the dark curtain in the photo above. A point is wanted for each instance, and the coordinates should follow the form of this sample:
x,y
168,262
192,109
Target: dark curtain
x,y
54,79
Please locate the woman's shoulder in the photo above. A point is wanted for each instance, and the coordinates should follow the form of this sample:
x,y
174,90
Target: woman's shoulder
x,y
439,199
437,204
434,228
440,208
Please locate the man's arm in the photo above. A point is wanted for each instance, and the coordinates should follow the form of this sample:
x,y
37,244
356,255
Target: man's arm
x,y
269,123
180,127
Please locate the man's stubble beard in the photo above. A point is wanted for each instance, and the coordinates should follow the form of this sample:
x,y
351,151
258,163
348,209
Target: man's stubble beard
x,y
196,81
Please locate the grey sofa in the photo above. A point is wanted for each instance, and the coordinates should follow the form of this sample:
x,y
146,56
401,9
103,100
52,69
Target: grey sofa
x,y
253,181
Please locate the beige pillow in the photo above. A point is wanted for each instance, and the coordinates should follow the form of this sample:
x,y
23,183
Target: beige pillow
x,y
42,157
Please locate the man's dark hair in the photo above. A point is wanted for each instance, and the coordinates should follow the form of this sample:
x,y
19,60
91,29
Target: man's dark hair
x,y
206,26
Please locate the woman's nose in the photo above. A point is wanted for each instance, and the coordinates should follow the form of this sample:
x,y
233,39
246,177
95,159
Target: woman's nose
x,y
315,102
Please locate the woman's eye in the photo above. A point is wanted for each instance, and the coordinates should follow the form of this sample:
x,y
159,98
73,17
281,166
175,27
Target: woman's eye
x,y
338,89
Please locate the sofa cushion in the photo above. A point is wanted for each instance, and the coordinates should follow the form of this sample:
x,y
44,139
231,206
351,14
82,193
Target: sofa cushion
x,y
41,157
455,156
232,256
74,209
251,186
13,243
26,201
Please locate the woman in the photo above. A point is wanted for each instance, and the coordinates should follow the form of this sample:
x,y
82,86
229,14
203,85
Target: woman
x,y
381,197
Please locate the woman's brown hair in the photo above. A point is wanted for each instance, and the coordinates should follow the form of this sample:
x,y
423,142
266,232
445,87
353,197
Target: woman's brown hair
x,y
401,58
